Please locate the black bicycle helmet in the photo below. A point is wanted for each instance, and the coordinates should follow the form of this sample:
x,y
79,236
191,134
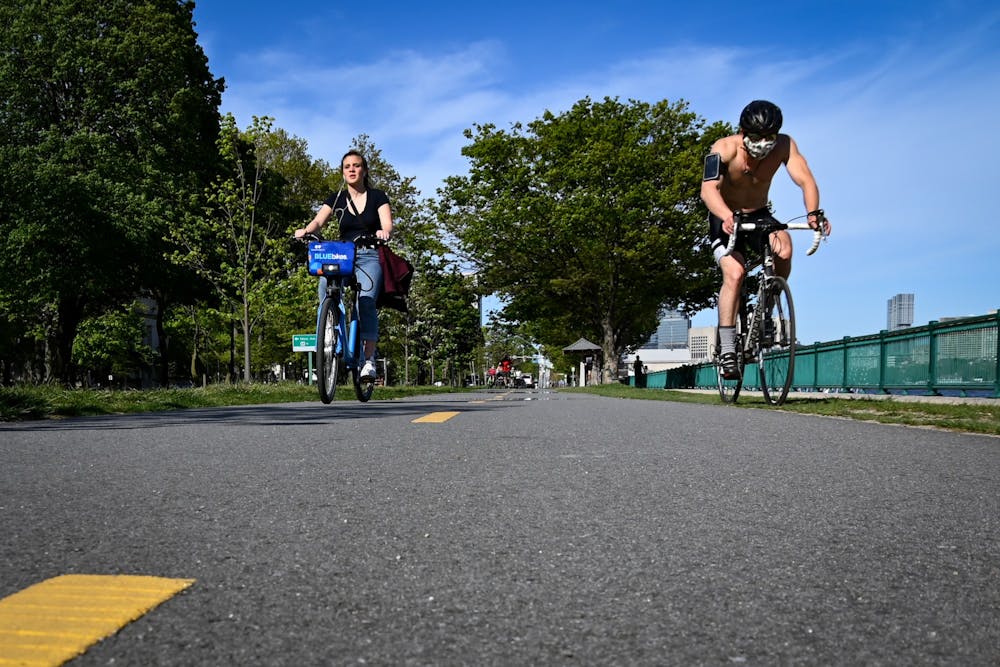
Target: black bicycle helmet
x,y
760,117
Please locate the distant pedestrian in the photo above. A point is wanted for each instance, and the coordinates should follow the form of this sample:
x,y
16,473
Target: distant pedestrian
x,y
640,372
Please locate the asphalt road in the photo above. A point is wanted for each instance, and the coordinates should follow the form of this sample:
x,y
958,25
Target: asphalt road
x,y
532,528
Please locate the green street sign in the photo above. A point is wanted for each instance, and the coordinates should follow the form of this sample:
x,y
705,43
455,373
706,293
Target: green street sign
x,y
303,342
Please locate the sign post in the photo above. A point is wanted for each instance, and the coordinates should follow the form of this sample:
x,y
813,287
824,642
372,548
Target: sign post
x,y
305,343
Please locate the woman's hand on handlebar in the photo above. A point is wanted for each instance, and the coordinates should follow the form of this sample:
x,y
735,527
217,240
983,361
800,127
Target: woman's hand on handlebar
x,y
306,237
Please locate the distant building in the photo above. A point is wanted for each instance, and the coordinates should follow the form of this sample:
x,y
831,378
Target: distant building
x,y
671,334
698,349
899,312
700,343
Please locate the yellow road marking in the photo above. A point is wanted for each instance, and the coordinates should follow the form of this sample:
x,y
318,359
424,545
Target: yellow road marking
x,y
58,619
435,418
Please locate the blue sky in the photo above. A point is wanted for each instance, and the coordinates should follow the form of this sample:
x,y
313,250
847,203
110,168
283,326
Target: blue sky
x,y
894,104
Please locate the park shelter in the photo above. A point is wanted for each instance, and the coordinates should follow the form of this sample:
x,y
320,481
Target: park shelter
x,y
589,355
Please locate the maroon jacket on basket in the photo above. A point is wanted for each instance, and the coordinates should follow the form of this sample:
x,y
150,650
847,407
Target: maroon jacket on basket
x,y
397,273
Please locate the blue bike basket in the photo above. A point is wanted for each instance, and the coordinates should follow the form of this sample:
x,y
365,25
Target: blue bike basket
x,y
331,258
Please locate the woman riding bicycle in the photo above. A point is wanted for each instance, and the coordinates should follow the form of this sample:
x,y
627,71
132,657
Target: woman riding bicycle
x,y
362,211
738,174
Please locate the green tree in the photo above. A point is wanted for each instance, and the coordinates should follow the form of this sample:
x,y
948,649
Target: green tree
x,y
107,107
588,223
112,344
301,183
240,243
444,330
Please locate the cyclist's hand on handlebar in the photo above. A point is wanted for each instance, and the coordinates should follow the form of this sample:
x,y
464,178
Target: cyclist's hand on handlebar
x,y
816,218
729,224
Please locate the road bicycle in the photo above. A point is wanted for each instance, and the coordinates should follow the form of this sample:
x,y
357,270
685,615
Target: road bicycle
x,y
765,320
338,343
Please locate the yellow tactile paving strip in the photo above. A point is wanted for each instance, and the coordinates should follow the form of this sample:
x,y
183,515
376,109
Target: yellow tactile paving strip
x,y
435,418
58,619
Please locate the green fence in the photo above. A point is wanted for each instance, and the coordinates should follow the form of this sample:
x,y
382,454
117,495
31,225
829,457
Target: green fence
x,y
955,356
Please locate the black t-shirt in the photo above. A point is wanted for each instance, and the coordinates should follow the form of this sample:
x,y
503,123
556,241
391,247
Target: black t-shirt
x,y
351,226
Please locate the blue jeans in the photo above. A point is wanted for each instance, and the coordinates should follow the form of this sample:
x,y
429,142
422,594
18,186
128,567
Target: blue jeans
x,y
368,272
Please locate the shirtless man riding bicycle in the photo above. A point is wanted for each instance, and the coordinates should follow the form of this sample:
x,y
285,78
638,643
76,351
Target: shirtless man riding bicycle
x,y
738,174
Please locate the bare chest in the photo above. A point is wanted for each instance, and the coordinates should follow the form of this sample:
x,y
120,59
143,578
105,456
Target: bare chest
x,y
747,183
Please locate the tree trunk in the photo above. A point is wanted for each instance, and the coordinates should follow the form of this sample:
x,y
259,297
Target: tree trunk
x,y
59,336
163,370
609,365
194,346
406,360
246,341
231,373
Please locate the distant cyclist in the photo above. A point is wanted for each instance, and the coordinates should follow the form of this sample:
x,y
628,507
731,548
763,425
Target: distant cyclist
x,y
362,210
738,173
504,369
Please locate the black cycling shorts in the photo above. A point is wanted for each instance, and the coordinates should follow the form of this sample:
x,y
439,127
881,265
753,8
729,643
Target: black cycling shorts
x,y
745,240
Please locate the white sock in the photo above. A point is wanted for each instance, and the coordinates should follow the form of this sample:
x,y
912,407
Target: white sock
x,y
727,339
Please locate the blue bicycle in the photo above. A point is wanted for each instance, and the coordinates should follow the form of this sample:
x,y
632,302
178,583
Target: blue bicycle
x,y
337,341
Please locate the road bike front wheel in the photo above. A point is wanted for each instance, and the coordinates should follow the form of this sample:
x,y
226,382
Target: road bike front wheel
x,y
776,323
729,390
326,349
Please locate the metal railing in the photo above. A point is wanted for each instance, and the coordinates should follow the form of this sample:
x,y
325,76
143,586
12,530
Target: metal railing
x,y
959,356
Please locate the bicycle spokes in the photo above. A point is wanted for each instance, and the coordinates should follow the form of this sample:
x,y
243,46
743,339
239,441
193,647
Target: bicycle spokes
x,y
776,360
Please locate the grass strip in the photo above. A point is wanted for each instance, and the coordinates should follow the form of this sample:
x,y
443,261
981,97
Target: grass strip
x,y
966,417
49,401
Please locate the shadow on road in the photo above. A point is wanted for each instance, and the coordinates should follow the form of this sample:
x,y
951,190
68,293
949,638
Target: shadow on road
x,y
281,414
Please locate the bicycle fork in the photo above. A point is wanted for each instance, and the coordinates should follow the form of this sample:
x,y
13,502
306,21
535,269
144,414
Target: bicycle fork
x,y
351,354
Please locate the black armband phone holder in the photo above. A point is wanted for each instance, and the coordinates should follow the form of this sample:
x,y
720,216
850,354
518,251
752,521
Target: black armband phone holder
x,y
713,167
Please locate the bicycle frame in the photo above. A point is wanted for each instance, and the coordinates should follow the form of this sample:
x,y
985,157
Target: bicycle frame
x,y
347,346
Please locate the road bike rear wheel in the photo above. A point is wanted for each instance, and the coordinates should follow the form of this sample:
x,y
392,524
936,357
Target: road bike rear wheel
x,y
776,323
326,349
729,390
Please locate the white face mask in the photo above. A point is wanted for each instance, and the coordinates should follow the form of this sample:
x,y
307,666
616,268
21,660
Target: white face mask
x,y
761,146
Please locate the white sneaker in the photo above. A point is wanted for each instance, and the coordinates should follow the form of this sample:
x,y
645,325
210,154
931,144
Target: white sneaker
x,y
368,372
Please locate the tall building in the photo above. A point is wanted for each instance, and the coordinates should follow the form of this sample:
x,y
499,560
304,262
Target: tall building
x,y
900,312
671,334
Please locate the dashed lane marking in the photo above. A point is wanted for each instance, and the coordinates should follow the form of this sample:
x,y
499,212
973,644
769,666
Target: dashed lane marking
x,y
58,619
434,418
